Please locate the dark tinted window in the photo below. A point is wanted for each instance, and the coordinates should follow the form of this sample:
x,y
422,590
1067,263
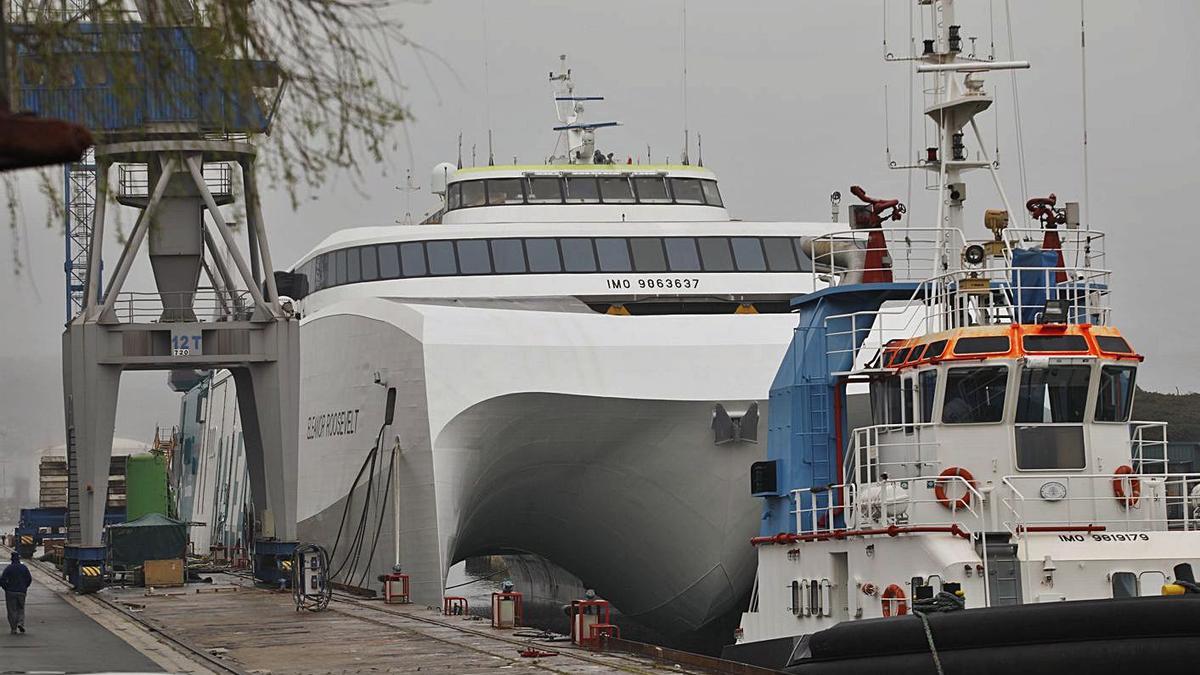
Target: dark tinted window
x,y
801,255
581,189
781,257
898,357
614,255
682,254
935,349
339,267
389,261
927,384
370,264
687,191
504,191
326,270
1115,400
915,354
748,253
616,190
997,344
543,255
412,259
974,395
441,257
578,255
508,255
651,190
712,196
1054,343
648,254
454,196
714,251
544,191
1113,344
353,266
1053,395
473,256
472,193
1124,585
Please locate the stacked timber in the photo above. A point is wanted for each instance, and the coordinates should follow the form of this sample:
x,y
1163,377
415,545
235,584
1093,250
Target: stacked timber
x,y
54,478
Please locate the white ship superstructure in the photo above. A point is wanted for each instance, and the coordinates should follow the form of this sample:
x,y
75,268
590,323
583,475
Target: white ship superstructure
x,y
579,354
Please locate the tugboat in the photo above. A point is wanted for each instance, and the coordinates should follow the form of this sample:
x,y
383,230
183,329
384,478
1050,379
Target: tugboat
x,y
1002,510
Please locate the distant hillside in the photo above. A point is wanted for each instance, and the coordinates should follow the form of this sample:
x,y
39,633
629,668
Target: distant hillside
x,y
1180,411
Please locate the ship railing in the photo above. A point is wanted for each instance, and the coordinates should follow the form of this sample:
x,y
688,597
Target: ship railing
x,y
964,298
1148,446
203,304
891,451
890,506
1098,503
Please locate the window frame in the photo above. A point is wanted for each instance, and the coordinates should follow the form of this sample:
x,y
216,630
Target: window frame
x,y
945,389
1116,365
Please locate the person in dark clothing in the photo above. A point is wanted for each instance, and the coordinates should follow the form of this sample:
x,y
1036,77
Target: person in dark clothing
x,y
15,580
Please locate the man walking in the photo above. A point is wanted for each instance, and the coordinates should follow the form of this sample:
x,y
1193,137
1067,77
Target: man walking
x,y
15,580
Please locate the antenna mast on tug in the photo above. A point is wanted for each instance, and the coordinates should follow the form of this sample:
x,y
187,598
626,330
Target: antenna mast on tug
x,y
956,102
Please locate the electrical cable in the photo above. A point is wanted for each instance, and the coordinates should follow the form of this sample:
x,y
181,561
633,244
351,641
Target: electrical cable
x,y
379,520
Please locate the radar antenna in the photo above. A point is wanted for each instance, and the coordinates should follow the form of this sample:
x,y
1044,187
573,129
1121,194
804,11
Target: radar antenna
x,y
577,138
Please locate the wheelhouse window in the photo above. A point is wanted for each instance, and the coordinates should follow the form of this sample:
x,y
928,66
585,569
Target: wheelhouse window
x,y
1113,344
504,191
1114,403
473,193
886,401
975,395
582,190
616,190
993,344
339,267
1055,395
712,196
1054,343
927,388
353,265
1050,407
544,190
687,191
651,190
454,197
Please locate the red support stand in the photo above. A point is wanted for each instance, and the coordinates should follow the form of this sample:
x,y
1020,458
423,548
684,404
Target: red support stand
x,y
506,610
454,605
395,589
586,614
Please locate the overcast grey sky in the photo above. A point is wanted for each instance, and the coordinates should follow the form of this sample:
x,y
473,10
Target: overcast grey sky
x,y
789,97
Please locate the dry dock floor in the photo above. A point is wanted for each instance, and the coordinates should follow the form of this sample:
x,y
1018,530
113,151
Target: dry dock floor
x,y
230,626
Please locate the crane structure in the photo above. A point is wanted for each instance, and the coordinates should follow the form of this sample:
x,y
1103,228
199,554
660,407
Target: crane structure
x,y
173,123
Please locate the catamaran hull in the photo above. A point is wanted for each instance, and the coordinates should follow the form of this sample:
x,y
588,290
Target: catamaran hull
x,y
583,438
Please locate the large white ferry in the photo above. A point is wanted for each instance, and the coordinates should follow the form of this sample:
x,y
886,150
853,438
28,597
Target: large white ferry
x,y
576,356
1003,472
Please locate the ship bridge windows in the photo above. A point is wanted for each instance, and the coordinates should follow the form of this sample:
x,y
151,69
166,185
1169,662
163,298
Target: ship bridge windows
x,y
582,189
975,395
1115,398
1051,403
550,255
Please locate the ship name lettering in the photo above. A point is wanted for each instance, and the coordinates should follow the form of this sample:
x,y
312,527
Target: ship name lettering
x,y
337,423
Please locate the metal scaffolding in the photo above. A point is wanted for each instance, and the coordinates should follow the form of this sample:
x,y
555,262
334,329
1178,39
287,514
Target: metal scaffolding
x,y
79,204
